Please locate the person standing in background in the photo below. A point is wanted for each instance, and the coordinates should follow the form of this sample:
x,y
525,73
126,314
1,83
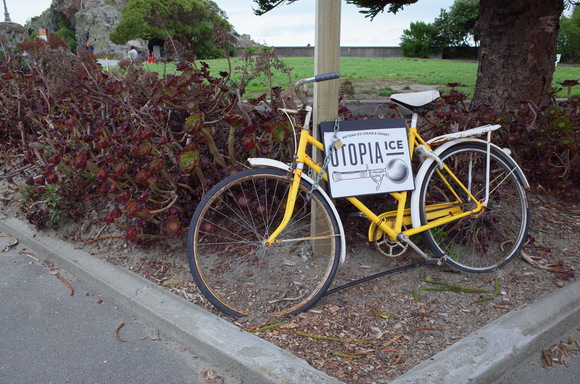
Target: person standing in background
x,y
89,46
132,54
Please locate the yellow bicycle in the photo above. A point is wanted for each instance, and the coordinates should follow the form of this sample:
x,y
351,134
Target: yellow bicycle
x,y
268,240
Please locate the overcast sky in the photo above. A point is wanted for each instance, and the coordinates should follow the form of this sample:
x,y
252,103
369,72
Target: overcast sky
x,y
293,25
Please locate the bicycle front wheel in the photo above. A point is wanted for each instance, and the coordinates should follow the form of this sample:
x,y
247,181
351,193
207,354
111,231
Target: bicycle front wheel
x,y
233,267
486,240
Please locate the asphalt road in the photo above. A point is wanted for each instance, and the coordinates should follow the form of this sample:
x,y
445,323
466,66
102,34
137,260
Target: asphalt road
x,y
49,336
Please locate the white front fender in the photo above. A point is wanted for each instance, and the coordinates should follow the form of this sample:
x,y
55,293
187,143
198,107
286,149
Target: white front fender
x,y
257,162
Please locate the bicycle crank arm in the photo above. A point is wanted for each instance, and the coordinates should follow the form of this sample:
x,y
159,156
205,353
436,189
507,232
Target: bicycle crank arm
x,y
405,239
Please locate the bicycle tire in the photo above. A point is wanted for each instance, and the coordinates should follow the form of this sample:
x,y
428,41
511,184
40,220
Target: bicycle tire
x,y
229,261
490,239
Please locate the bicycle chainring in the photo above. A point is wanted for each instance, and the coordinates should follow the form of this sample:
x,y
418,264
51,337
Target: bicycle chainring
x,y
390,249
387,247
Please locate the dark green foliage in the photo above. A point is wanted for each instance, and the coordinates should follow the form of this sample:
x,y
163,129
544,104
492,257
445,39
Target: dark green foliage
x,y
195,24
265,6
69,36
420,40
456,27
453,28
370,8
569,37
64,30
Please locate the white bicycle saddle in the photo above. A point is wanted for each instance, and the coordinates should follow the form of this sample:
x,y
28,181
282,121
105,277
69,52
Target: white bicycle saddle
x,y
415,99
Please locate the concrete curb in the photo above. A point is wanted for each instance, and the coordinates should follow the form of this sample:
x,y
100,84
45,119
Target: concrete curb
x,y
489,353
222,344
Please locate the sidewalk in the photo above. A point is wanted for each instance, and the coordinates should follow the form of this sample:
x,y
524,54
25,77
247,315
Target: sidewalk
x,y
482,357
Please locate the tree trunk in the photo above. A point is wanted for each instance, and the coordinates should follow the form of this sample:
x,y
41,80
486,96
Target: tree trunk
x,y
517,52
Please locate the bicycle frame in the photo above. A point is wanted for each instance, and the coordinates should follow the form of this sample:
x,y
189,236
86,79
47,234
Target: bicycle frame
x,y
439,214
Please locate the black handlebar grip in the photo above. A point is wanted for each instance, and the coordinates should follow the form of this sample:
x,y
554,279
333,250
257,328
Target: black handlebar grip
x,y
327,76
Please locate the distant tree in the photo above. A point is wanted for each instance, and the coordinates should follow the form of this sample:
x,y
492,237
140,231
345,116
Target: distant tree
x,y
190,22
420,40
456,27
569,36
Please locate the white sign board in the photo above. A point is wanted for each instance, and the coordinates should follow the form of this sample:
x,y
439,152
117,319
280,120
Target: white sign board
x,y
372,157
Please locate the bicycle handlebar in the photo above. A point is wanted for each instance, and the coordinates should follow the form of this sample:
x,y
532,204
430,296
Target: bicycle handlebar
x,y
318,78
314,79
327,76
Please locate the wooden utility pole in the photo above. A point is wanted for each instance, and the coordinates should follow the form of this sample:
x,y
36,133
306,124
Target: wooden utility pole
x,y
326,59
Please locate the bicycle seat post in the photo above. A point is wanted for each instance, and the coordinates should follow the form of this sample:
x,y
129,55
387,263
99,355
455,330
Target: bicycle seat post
x,y
414,119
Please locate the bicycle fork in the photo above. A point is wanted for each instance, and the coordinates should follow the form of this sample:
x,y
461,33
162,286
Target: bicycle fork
x,y
290,203
293,192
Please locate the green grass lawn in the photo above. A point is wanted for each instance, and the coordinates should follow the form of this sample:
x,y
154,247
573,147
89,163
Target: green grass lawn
x,y
380,77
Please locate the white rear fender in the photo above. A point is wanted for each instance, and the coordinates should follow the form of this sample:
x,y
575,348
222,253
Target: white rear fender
x,y
415,209
257,162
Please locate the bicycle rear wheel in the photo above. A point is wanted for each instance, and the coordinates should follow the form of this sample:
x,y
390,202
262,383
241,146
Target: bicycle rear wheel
x,y
489,239
232,266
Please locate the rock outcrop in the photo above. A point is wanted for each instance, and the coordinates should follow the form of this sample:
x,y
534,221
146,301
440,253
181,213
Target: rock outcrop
x,y
11,31
92,20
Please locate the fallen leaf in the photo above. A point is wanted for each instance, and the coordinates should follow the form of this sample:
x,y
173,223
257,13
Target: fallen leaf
x,y
334,309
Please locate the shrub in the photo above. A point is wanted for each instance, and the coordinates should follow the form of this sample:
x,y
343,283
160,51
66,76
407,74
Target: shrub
x,y
143,149
420,40
69,36
544,141
569,36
